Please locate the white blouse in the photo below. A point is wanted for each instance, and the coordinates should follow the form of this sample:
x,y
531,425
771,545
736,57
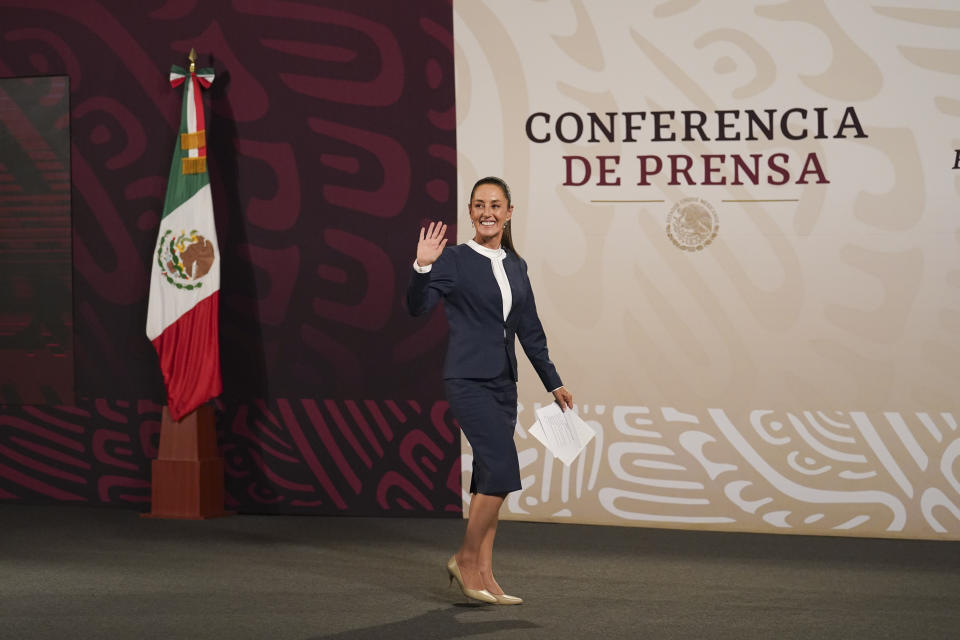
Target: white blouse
x,y
496,262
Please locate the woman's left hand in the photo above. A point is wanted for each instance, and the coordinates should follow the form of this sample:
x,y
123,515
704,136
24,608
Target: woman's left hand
x,y
564,398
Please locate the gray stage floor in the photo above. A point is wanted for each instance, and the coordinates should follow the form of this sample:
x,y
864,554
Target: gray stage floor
x,y
68,572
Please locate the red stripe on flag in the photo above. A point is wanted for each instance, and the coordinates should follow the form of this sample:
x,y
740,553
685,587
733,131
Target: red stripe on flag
x,y
190,357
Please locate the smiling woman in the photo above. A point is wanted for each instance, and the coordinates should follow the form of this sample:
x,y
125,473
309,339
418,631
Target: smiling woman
x,y
489,303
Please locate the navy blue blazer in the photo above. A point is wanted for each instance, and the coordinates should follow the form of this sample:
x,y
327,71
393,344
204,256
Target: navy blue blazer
x,y
481,343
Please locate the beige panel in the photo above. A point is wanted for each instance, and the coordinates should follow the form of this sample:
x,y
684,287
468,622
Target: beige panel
x,y
796,369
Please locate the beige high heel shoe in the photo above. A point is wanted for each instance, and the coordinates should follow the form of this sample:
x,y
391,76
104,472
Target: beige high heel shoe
x,y
477,594
505,599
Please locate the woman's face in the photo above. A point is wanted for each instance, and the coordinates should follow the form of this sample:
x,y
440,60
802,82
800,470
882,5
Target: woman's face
x,y
488,213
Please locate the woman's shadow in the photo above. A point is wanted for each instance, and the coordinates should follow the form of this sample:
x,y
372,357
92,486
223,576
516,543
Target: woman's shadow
x,y
439,623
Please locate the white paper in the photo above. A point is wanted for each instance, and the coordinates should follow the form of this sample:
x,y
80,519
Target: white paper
x,y
562,432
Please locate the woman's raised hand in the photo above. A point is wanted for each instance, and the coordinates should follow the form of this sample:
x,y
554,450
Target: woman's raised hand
x,y
432,242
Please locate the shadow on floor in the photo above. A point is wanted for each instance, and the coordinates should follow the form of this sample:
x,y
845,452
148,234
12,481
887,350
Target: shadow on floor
x,y
439,623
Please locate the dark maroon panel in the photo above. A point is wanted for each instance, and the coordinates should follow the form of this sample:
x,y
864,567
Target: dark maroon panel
x,y
331,133
365,456
284,456
36,323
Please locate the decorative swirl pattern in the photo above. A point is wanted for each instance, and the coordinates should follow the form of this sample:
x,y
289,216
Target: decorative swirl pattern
x,y
826,472
281,456
838,294
331,138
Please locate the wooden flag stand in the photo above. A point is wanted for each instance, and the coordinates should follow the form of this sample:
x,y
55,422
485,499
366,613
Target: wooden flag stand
x,y
188,471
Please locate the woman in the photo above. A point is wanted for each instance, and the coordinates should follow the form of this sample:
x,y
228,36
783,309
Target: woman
x,y
488,302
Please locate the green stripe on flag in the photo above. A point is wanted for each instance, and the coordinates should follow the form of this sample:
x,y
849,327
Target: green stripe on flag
x,y
181,188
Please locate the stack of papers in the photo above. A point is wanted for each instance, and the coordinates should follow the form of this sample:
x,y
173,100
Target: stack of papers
x,y
561,431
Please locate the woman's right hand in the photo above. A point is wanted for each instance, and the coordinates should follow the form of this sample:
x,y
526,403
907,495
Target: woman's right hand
x,y
432,242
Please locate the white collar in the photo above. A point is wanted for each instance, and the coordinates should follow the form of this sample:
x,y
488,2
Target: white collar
x,y
493,254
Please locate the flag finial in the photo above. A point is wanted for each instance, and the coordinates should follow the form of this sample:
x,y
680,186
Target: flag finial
x,y
193,59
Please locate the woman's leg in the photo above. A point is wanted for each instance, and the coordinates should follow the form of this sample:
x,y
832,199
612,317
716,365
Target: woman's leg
x,y
475,556
486,559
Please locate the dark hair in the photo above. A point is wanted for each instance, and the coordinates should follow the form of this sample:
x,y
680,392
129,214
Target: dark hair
x,y
507,239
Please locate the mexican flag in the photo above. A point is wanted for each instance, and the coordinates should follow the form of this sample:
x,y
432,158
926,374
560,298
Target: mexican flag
x,y
182,315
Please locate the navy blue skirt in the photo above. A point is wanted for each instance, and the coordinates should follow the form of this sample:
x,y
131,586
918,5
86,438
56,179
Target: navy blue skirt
x,y
487,413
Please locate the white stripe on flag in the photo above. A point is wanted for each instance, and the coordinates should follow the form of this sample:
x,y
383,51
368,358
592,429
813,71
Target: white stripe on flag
x,y
191,115
168,303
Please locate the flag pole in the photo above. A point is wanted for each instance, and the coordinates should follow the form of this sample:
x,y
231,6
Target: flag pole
x,y
188,474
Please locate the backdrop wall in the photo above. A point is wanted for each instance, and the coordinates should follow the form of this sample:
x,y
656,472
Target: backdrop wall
x,y
740,222
331,136
763,337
